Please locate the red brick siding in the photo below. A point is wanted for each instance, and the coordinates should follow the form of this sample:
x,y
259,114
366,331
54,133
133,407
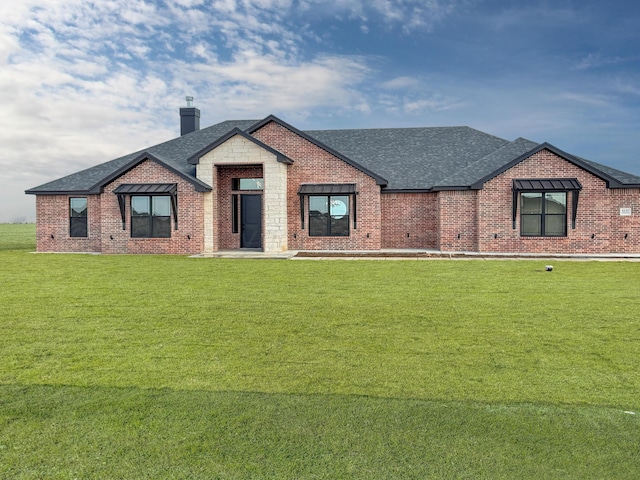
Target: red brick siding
x,y
190,216
458,220
226,238
598,213
624,234
52,227
409,220
314,165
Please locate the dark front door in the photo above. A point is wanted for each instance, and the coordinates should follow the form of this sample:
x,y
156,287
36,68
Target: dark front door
x,y
251,221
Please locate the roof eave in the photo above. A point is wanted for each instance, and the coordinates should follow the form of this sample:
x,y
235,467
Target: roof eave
x,y
34,191
444,188
405,190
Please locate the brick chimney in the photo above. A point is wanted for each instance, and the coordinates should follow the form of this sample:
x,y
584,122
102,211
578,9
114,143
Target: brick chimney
x,y
189,118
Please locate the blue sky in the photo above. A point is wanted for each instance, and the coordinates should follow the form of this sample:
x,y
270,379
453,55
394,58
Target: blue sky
x,y
83,82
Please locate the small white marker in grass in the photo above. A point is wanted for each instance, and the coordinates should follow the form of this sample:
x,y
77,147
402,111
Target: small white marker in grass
x,y
630,413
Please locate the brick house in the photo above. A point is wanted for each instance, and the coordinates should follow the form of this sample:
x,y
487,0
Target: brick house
x,y
266,185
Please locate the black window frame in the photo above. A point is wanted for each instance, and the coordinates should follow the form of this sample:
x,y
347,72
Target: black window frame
x,y
543,216
235,213
78,220
158,226
331,227
237,184
543,186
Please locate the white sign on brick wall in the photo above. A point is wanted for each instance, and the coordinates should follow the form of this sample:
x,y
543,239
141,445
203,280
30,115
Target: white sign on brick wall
x,y
625,212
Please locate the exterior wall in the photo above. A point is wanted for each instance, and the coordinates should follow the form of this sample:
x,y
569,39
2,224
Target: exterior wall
x,y
52,227
187,239
624,232
315,165
458,220
240,151
409,220
599,227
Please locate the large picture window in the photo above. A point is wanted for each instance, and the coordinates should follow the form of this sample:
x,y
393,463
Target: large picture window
x,y
543,214
150,216
329,215
78,217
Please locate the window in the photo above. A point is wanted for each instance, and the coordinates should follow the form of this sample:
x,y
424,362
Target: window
x,y
247,184
150,216
78,217
235,216
329,215
543,214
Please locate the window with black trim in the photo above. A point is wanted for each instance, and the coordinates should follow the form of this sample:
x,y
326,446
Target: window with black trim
x,y
235,214
543,214
329,215
78,217
150,216
247,184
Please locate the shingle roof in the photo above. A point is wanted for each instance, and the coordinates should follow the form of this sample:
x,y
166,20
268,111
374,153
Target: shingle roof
x,y
413,159
174,153
486,165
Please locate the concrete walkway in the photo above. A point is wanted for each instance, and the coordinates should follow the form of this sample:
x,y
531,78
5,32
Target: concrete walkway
x,y
410,254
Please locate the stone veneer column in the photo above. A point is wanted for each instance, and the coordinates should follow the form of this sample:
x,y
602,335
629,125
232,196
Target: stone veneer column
x,y
240,151
275,206
204,172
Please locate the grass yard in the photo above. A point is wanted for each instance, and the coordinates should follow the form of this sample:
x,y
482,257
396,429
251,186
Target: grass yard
x,y
148,367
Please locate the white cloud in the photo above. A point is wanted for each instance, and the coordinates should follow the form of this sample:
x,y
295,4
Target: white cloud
x,y
598,60
410,15
82,83
401,83
591,100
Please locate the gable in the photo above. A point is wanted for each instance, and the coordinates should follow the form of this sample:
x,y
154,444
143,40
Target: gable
x,y
237,133
272,119
198,185
589,167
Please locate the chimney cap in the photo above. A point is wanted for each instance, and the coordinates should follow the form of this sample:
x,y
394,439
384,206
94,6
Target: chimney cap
x,y
189,101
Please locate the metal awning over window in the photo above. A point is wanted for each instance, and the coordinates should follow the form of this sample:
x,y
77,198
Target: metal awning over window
x,y
146,189
170,189
547,185
327,189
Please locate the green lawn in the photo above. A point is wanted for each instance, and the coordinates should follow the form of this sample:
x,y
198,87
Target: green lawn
x,y
172,367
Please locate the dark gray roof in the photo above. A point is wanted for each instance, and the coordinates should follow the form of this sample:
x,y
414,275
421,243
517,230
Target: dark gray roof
x,y
408,159
486,165
174,153
412,158
624,178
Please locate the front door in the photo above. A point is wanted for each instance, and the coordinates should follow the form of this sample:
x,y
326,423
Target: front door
x,y
251,221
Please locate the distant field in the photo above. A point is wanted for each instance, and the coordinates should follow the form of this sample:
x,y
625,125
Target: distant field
x,y
19,236
173,367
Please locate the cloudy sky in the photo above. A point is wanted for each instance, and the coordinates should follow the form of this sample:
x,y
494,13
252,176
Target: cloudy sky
x,y
82,82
